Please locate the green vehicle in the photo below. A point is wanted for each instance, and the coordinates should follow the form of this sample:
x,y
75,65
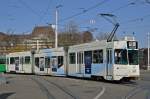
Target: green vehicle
x,y
2,64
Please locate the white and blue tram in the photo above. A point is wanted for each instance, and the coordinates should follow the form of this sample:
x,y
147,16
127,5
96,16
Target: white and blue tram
x,y
115,60
42,62
50,62
19,62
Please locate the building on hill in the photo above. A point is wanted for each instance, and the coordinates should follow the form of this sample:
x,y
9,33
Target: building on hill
x,y
43,35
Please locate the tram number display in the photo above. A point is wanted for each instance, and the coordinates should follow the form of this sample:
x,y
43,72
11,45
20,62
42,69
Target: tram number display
x,y
132,44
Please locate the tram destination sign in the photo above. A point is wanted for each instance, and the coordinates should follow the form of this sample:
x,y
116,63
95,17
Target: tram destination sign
x,y
132,45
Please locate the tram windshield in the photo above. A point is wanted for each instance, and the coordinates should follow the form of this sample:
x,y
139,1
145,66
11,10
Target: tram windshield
x,y
121,56
133,57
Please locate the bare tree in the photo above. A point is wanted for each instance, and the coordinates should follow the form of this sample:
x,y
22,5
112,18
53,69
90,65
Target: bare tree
x,y
70,36
102,36
87,37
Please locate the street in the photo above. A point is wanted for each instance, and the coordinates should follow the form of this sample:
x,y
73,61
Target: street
x,y
47,87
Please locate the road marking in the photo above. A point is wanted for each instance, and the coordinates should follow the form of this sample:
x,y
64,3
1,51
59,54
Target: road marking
x,y
101,93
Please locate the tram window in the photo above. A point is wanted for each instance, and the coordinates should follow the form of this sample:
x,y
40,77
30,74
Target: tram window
x,y
72,58
88,58
12,60
27,59
133,57
37,62
121,56
60,61
2,61
98,56
7,60
17,59
47,62
21,60
41,63
108,56
80,58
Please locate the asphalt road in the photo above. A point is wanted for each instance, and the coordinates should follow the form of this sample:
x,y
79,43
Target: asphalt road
x,y
47,87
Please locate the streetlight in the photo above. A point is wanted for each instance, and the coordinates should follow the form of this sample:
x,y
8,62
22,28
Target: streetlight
x,y
56,26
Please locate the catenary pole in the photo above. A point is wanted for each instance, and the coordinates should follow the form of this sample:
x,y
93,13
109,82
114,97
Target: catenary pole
x,y
56,28
148,67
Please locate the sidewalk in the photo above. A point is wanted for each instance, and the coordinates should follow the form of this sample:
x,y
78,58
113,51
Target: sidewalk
x,y
2,79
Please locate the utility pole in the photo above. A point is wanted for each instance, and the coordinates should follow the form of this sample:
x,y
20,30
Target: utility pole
x,y
56,29
148,67
56,26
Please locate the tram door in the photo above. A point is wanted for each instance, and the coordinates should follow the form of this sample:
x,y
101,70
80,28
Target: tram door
x,y
16,63
54,63
109,65
88,61
79,62
41,63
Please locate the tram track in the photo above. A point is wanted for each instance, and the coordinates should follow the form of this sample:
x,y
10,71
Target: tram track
x,y
65,90
135,91
44,88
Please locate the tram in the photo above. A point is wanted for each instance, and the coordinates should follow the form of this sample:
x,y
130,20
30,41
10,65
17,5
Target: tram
x,y
50,62
41,62
2,63
115,60
19,62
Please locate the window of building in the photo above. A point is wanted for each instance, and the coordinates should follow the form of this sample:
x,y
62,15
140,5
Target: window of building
x,y
98,56
72,58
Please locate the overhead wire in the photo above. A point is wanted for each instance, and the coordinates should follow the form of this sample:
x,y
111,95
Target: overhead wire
x,y
46,11
29,8
140,18
119,8
84,11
